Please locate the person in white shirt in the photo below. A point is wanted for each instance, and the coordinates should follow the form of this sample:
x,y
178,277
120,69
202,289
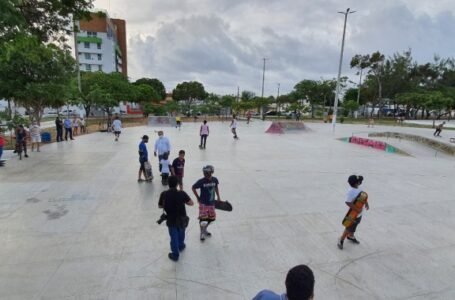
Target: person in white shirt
x,y
117,128
204,133
356,200
35,135
165,168
162,146
234,126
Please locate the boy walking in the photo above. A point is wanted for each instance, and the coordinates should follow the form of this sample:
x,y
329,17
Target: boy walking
x,y
117,128
143,158
177,169
35,135
234,126
204,133
356,200
165,169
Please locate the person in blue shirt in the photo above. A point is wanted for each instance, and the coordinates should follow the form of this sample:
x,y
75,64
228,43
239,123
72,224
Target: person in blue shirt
x,y
299,286
162,146
68,128
143,158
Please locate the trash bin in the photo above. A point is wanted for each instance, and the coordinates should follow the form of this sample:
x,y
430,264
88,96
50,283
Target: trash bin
x,y
46,137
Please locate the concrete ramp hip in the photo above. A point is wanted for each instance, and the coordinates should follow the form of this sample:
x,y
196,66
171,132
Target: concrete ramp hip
x,y
161,121
283,126
379,145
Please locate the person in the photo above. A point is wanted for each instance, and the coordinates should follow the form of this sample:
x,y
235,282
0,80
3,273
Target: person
x,y
165,168
177,169
297,116
162,146
354,195
76,122
248,117
438,129
371,122
299,286
234,126
204,133
143,158
83,129
117,127
68,128
178,122
173,203
59,128
35,134
208,186
2,144
21,140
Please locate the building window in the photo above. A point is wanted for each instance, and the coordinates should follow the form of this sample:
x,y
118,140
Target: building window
x,y
86,45
88,67
91,33
87,56
100,68
99,46
99,56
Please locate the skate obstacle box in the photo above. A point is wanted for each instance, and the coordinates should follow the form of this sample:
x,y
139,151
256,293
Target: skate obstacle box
x,y
161,121
378,145
282,127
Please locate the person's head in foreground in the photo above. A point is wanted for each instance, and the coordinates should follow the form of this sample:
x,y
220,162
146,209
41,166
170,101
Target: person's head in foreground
x,y
172,181
145,138
300,283
355,180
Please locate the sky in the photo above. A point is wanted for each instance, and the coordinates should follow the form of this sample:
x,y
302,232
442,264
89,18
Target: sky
x,y
222,43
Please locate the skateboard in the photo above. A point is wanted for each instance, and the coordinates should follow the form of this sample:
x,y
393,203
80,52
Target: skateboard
x,y
2,162
223,205
358,203
148,169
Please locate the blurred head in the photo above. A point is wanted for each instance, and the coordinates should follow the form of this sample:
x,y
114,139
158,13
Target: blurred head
x,y
160,133
205,121
165,155
172,181
145,138
208,170
355,180
300,283
181,153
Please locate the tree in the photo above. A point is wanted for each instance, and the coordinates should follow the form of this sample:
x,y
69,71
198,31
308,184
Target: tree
x,y
350,106
154,83
188,92
35,75
48,20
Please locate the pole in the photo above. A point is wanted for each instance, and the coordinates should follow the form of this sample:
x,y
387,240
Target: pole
x,y
358,90
76,55
337,95
262,93
277,101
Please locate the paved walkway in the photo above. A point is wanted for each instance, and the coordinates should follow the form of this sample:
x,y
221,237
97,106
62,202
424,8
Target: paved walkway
x,y
75,224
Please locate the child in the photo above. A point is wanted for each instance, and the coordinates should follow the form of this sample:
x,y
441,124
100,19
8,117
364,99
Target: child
x,y
234,126
356,199
178,166
204,133
165,168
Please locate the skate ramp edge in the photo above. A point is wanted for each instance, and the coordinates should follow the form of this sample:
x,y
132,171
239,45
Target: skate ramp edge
x,y
283,126
440,146
161,121
378,145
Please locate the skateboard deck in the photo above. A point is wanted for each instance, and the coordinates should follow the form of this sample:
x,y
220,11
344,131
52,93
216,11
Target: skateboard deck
x,y
148,169
223,205
358,203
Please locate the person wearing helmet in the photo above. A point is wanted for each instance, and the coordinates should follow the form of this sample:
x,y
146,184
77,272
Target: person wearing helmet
x,y
356,199
208,186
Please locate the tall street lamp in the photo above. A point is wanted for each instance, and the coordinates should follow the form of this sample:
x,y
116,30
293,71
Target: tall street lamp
x,y
337,95
262,93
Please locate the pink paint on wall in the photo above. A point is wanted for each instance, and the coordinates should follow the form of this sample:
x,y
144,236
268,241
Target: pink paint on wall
x,y
368,143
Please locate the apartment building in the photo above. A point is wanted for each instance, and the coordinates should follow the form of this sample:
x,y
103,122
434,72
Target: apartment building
x,y
101,44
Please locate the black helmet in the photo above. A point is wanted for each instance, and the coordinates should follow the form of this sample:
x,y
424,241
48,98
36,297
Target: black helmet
x,y
208,169
354,179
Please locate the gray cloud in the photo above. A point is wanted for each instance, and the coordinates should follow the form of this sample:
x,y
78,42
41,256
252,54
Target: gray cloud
x,y
221,43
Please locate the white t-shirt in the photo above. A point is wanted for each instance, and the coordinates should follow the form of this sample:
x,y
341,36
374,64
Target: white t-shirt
x,y
165,166
351,195
35,131
117,124
234,123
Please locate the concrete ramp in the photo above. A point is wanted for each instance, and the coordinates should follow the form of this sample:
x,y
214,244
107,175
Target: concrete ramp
x,y
283,126
158,121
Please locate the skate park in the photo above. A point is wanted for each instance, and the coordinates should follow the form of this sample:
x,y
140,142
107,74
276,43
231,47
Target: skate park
x,y
75,223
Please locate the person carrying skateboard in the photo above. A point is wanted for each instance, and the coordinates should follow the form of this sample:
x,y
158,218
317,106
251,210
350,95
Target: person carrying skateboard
x,y
143,158
438,129
356,200
208,186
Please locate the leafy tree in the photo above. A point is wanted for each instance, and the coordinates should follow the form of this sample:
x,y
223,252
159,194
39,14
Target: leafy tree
x,y
35,75
154,83
350,106
189,92
247,95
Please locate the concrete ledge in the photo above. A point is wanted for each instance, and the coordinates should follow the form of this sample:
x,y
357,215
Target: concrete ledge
x,y
440,146
378,145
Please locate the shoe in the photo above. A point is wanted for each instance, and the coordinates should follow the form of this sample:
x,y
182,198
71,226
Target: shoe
x,y
208,234
172,257
149,179
340,245
25,155
353,239
182,248
140,180
202,237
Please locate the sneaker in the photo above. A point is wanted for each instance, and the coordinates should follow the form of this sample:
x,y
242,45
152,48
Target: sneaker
x,y
208,234
202,237
25,155
149,179
353,239
140,180
172,257
182,248
340,245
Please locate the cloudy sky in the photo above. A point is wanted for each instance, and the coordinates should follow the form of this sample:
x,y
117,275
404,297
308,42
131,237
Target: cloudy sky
x,y
221,43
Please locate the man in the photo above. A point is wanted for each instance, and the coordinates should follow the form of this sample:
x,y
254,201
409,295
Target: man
x,y
299,286
248,117
117,127
173,202
178,168
208,186
143,158
35,135
439,129
68,128
21,140
234,126
59,128
162,146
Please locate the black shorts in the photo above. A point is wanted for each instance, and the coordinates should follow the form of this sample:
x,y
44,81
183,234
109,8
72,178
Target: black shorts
x,y
142,168
117,132
179,180
354,225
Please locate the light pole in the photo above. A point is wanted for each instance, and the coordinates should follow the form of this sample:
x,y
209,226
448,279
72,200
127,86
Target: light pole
x,y
337,95
278,96
262,93
358,89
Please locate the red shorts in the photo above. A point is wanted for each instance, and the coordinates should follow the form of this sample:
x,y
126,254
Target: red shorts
x,y
207,212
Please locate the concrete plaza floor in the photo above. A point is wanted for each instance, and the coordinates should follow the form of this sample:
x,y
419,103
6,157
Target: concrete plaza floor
x,y
75,224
